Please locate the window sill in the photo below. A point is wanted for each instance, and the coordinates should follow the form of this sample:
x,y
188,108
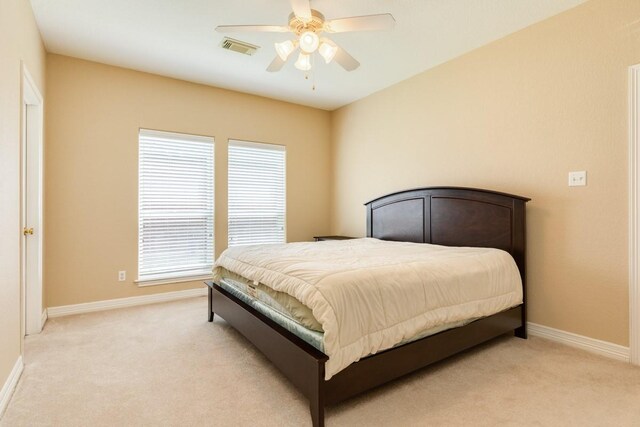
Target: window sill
x,y
170,280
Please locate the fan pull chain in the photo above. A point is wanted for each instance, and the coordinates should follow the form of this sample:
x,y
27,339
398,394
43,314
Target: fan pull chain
x,y
313,75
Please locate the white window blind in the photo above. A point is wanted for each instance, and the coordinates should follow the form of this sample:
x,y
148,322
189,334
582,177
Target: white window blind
x,y
256,193
175,212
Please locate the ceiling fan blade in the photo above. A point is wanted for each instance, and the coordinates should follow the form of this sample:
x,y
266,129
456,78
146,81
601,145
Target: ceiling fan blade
x,y
276,64
302,9
383,21
252,28
345,60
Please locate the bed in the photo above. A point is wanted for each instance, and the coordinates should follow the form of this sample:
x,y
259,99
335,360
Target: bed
x,y
457,217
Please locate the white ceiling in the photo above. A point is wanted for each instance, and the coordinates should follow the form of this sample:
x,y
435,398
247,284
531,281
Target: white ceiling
x,y
176,38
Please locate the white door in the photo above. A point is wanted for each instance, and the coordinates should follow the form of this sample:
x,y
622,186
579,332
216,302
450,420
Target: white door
x,y
31,194
634,214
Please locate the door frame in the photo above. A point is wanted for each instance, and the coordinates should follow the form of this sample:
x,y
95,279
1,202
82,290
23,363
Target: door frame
x,y
31,214
634,214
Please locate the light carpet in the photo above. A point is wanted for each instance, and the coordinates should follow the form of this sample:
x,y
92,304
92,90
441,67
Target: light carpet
x,y
165,365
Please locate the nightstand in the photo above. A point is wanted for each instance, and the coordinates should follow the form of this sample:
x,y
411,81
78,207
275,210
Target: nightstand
x,y
323,238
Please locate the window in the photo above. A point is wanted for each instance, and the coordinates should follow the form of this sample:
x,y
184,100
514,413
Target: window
x,y
175,206
256,193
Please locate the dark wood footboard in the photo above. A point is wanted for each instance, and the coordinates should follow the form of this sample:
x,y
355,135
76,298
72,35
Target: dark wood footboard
x,y
304,365
299,361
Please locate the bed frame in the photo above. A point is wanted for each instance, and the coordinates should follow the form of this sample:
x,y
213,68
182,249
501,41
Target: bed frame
x,y
439,215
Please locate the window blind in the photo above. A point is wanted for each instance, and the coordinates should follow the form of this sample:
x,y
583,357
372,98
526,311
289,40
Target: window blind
x,y
256,193
175,212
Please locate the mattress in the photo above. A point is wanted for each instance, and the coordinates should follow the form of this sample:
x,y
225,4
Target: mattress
x,y
264,304
370,295
279,301
310,336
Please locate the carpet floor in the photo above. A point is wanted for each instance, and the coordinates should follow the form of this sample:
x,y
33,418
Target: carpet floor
x,y
165,365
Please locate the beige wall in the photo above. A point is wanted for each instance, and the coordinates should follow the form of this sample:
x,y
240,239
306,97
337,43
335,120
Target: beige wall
x,y
514,116
19,41
517,116
93,115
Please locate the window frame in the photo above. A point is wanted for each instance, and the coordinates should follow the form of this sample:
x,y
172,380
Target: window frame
x,y
191,275
260,145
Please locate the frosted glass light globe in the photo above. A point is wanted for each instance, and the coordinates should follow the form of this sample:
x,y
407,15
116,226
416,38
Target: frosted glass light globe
x,y
309,41
284,49
304,62
328,50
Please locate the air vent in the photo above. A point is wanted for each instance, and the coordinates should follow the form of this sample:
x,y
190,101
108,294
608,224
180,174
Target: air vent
x,y
238,46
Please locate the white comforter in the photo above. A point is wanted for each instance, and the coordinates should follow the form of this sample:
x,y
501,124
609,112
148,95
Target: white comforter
x,y
369,295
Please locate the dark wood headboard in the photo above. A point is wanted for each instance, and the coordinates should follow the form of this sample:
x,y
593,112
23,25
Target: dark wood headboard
x,y
452,216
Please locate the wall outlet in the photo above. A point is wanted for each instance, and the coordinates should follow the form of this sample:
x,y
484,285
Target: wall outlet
x,y
577,179
122,276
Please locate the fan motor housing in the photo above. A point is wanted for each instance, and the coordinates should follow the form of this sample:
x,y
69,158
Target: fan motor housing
x,y
297,26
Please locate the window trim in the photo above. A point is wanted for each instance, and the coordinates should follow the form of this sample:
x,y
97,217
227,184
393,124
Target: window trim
x,y
173,279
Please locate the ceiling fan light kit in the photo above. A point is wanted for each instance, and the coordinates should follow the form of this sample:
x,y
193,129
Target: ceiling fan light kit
x,y
304,62
285,48
327,50
309,41
307,24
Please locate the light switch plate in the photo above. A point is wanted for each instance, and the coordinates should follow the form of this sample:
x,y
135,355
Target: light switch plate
x,y
577,179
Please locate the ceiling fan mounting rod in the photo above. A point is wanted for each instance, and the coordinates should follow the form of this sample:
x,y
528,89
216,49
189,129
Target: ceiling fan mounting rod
x,y
316,24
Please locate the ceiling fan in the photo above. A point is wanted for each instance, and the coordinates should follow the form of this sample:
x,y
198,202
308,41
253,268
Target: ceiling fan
x,y
308,25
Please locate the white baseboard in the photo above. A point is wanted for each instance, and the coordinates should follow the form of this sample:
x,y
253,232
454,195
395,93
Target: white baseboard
x,y
67,310
603,348
10,385
44,318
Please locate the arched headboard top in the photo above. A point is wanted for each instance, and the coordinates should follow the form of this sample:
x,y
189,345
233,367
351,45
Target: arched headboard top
x,y
451,216
475,190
